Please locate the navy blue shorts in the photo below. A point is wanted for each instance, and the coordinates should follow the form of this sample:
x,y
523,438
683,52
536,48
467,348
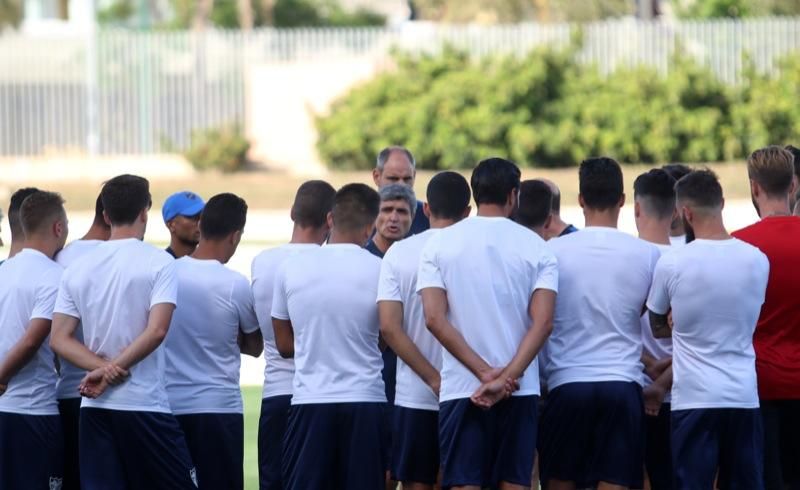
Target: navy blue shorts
x,y
334,445
415,445
133,450
271,431
593,432
31,451
657,455
730,440
486,447
216,446
70,411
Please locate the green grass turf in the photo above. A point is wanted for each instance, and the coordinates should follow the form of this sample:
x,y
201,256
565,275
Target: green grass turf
x,y
252,409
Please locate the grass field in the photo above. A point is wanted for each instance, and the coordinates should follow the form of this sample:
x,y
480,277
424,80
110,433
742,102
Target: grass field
x,y
273,190
252,408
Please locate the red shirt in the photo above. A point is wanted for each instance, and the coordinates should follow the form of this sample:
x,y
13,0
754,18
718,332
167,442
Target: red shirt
x,y
777,336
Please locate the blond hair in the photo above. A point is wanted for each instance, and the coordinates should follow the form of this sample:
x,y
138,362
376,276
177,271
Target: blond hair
x,y
773,169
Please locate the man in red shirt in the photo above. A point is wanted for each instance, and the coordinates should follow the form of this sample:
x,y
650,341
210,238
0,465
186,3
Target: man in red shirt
x,y
777,336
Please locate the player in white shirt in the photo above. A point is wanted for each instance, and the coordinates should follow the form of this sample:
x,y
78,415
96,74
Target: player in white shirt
x,y
594,353
414,458
715,287
312,203
123,295
213,325
324,315
69,377
31,443
488,287
654,212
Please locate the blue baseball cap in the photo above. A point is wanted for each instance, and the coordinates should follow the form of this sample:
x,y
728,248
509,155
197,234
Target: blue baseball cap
x,y
182,204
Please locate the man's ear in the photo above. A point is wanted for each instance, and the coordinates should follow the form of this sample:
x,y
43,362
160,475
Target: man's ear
x,y
329,219
621,200
467,212
426,210
376,177
755,189
581,202
548,221
637,208
106,218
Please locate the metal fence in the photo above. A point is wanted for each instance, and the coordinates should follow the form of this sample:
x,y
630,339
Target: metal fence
x,y
127,92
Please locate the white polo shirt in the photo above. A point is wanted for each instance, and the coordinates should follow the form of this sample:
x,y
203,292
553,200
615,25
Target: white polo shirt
x,y
112,290
489,268
655,348
715,289
70,375
202,352
28,289
398,282
278,372
604,277
329,296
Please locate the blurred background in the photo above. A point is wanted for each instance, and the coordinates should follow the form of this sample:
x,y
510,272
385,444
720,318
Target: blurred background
x,y
255,96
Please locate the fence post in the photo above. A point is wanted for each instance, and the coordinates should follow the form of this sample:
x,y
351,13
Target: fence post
x,y
92,75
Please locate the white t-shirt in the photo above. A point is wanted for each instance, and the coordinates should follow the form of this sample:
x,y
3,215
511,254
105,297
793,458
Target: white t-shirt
x,y
278,372
71,376
604,276
203,356
112,290
655,348
398,282
489,268
677,240
715,289
28,289
329,296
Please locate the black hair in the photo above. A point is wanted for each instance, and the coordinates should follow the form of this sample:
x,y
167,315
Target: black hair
x,y
535,203
600,183
312,203
14,223
677,170
222,215
39,210
355,206
124,197
448,195
796,154
701,188
657,189
493,180
98,213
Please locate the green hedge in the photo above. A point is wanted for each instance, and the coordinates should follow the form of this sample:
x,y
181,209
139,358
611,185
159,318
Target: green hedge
x,y
546,109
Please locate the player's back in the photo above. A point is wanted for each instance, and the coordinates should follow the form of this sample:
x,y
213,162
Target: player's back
x,y
330,298
202,352
28,284
111,291
604,278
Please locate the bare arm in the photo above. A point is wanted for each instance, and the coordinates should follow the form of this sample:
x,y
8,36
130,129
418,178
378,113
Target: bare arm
x,y
434,301
660,325
284,337
391,315
64,343
149,340
251,343
23,351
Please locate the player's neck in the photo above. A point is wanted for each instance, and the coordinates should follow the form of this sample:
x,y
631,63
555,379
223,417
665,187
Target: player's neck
x,y
45,246
654,231
14,248
773,207
339,238
710,229
557,225
437,223
607,218
125,232
492,211
311,235
96,232
211,250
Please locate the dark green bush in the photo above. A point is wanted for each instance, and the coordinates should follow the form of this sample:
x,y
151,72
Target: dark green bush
x,y
546,109
223,149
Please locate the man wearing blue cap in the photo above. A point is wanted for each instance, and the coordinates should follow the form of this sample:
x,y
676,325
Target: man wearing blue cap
x,y
181,212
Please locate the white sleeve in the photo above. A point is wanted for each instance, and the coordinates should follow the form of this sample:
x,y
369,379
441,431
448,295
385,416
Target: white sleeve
x,y
547,272
242,299
388,283
429,274
659,299
165,287
280,303
46,295
65,304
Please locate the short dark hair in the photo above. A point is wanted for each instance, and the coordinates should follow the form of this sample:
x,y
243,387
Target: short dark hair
x,y
14,223
39,210
98,212
222,215
124,197
312,203
701,188
677,170
535,203
448,195
600,183
796,154
493,179
773,169
355,206
657,189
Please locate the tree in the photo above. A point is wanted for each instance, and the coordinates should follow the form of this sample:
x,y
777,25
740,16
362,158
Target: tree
x,y
10,13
